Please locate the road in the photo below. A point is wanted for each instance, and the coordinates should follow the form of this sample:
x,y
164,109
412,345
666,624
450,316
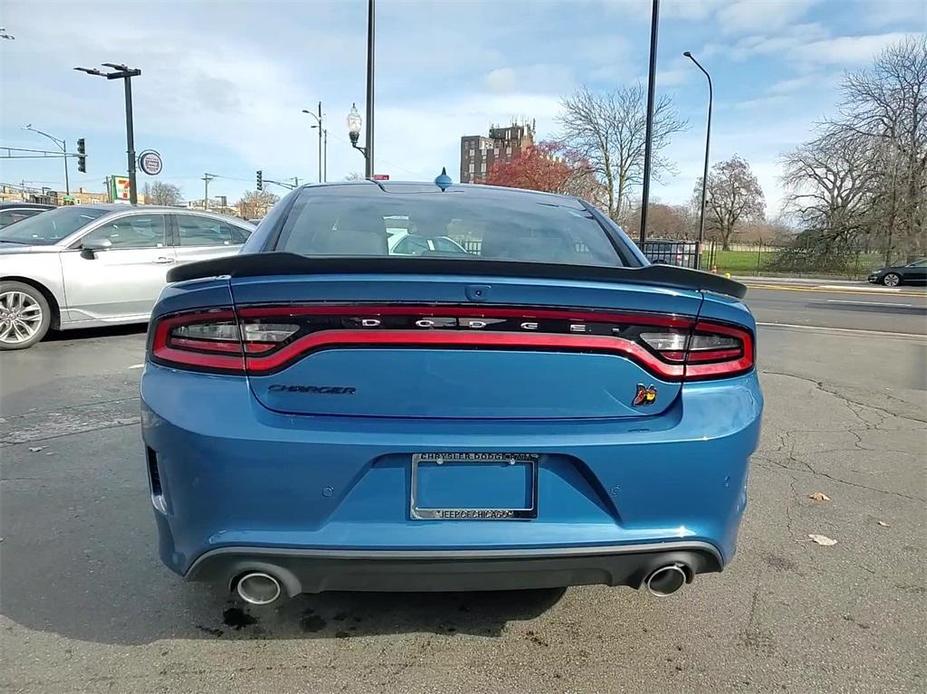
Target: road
x,y
86,606
874,309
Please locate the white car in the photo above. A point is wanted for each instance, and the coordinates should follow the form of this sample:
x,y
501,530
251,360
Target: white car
x,y
91,265
404,242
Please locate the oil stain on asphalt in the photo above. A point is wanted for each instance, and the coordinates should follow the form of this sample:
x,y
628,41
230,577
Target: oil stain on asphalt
x,y
237,618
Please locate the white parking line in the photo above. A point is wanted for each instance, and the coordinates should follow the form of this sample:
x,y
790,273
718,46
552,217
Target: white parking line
x,y
867,303
137,366
827,329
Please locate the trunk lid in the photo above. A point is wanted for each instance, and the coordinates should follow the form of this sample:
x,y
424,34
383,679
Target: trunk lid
x,y
445,346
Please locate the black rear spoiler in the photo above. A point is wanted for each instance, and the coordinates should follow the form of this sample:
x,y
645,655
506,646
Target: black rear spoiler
x,y
257,264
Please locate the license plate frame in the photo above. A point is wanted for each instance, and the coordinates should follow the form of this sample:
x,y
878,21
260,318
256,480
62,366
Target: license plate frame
x,y
430,513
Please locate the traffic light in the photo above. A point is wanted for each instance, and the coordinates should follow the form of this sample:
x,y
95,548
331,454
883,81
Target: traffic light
x,y
260,180
81,156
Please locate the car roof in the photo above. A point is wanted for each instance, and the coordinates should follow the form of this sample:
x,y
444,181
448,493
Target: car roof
x,y
111,207
25,205
471,191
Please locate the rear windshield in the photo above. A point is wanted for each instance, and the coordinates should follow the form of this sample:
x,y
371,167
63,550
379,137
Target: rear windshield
x,y
49,227
526,228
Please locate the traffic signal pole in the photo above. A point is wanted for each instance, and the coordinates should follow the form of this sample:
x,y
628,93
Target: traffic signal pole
x,y
67,183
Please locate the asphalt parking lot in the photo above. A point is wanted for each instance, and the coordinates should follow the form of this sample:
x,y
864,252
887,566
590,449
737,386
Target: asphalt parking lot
x,y
86,605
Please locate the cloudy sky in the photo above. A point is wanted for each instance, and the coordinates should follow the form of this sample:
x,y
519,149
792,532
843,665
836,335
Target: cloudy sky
x,y
223,82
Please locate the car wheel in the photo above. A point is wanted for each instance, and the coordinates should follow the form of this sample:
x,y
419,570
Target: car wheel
x,y
24,315
891,280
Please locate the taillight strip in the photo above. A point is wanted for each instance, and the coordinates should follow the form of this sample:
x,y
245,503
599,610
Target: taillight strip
x,y
526,312
260,358
445,338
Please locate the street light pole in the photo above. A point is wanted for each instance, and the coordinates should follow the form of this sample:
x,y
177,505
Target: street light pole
x,y
130,143
371,30
319,123
320,142
648,137
63,146
124,73
701,217
354,125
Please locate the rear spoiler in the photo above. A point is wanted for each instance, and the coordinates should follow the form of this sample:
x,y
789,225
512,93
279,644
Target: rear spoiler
x,y
257,264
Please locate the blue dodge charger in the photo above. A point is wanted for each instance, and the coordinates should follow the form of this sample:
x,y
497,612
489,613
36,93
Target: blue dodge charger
x,y
547,409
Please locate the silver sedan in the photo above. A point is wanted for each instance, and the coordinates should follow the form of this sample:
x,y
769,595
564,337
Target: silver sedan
x,y
86,266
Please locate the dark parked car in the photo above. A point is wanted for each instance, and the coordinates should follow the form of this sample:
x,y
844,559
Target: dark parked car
x,y
322,414
12,212
912,273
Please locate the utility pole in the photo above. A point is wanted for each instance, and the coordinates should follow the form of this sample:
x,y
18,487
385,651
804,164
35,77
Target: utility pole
x,y
126,74
206,179
648,138
325,166
371,30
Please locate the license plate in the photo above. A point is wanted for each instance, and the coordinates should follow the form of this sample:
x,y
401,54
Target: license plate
x,y
474,486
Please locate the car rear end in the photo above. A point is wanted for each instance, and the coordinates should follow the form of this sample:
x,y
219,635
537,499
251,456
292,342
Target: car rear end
x,y
328,421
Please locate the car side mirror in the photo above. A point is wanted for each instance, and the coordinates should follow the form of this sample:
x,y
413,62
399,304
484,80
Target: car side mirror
x,y
88,249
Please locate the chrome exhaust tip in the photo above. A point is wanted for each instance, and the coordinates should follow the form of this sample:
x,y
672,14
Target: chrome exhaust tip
x,y
666,580
258,588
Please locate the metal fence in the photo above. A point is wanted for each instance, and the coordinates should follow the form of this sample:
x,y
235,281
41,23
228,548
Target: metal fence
x,y
680,253
742,258
475,246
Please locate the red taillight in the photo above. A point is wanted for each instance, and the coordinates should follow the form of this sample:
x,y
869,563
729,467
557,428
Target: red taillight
x,y
261,340
736,356
215,340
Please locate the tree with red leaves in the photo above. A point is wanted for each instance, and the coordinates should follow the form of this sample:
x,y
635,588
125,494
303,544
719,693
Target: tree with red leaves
x,y
550,167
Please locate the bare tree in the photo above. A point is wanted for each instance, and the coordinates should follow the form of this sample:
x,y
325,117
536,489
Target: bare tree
x,y
667,221
159,193
888,103
733,196
607,129
829,184
254,204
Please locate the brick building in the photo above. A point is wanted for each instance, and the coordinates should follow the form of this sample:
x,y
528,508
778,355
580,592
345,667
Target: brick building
x,y
478,153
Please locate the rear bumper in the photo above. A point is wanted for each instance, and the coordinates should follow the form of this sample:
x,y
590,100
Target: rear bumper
x,y
237,482
315,571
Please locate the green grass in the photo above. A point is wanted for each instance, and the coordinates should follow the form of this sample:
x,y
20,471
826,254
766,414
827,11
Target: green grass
x,y
754,263
738,262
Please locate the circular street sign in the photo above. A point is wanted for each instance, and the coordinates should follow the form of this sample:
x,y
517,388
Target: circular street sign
x,y
149,162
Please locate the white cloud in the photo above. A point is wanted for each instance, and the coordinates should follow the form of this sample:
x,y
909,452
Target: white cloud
x,y
846,50
674,76
769,15
669,9
794,84
541,78
501,80
762,102
782,44
880,13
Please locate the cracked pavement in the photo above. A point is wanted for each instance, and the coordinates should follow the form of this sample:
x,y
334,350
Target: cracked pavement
x,y
86,605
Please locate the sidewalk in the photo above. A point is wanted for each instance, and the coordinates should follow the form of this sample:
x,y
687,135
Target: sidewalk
x,y
797,283
815,281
